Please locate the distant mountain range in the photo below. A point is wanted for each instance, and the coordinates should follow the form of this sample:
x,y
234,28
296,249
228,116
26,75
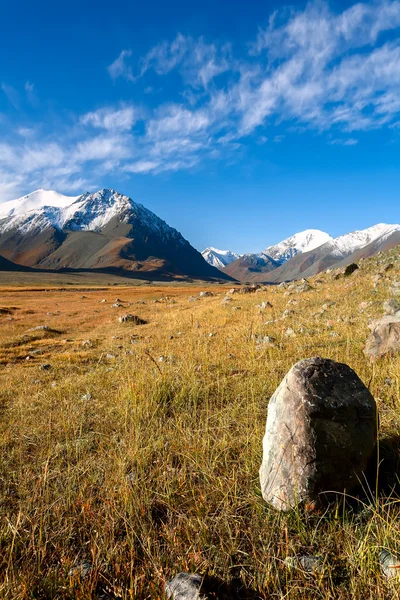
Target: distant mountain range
x,y
101,230
106,230
310,252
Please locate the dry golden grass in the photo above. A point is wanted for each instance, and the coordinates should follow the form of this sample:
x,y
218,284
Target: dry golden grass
x,y
139,451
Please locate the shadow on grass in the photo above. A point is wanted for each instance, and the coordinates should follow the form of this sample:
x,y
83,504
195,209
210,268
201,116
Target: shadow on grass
x,y
215,587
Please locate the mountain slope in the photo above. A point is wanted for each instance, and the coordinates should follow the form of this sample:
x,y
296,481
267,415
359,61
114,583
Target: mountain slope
x,y
301,256
219,258
336,253
96,231
249,266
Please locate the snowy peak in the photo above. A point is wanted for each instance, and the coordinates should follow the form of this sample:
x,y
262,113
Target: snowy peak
x,y
88,212
349,243
304,241
34,201
219,258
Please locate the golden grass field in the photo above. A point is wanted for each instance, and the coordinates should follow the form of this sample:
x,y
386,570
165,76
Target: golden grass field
x,y
138,449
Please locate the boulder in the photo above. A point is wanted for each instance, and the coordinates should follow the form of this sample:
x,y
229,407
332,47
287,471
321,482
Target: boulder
x,y
320,434
206,294
184,587
384,338
350,269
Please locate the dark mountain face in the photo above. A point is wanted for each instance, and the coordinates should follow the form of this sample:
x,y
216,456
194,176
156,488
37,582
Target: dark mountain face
x,y
7,265
100,231
251,266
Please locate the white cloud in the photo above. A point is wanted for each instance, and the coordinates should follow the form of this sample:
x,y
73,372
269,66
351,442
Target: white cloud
x,y
120,119
312,69
120,66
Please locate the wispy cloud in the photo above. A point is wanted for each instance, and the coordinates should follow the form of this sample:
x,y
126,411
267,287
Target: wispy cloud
x,y
112,119
120,67
336,74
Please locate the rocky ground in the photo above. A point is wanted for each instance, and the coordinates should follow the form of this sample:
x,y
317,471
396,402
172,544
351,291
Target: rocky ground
x,y
130,447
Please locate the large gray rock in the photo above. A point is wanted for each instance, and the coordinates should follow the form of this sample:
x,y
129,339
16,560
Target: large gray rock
x,y
184,587
384,338
320,434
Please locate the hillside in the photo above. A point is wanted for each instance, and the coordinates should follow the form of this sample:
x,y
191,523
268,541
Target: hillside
x,y
98,230
131,452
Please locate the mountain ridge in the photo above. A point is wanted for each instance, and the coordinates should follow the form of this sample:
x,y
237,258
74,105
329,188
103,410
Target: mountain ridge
x,y
102,229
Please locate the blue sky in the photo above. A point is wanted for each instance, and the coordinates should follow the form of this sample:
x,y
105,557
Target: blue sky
x,y
239,123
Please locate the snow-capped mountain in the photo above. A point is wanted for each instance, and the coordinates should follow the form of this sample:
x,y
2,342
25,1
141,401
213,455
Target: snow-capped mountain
x,y
33,201
349,243
310,252
103,229
219,258
89,212
297,243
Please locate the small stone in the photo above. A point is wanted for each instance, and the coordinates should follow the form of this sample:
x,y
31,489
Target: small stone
x,y
391,307
309,564
206,294
184,586
226,300
81,571
102,301
45,367
290,332
87,397
384,338
128,318
110,356
232,291
390,564
39,328
193,299
211,334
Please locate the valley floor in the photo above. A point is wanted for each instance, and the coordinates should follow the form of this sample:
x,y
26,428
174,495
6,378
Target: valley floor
x,y
136,448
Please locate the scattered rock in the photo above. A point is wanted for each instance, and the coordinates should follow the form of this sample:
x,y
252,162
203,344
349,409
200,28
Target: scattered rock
x,y
363,306
232,291
290,332
102,301
384,338
248,289
226,300
184,586
39,328
205,294
320,434
81,570
350,269
266,340
116,305
309,564
390,564
128,318
395,288
303,287
193,299
110,356
87,397
45,367
287,313
391,307
87,343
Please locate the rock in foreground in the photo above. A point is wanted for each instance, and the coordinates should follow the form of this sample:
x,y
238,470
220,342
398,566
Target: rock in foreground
x,y
320,434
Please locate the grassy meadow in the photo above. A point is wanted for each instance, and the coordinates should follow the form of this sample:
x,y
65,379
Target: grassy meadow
x,y
137,448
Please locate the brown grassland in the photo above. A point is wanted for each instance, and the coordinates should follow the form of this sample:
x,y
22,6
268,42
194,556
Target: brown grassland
x,y
138,449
